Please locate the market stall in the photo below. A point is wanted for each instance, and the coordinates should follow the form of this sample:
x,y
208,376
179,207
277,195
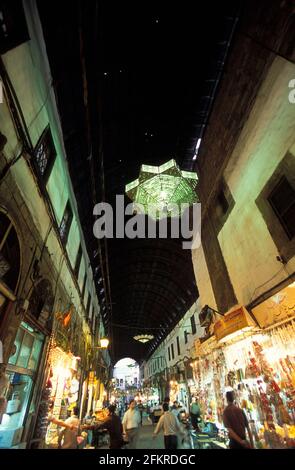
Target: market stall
x,y
259,365
63,383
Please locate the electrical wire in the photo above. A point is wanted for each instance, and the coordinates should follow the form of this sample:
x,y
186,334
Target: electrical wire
x,y
117,325
266,282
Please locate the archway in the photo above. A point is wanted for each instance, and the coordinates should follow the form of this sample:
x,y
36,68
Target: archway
x,y
126,374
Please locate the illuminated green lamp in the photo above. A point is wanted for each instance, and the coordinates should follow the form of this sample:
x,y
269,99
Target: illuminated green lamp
x,y
160,190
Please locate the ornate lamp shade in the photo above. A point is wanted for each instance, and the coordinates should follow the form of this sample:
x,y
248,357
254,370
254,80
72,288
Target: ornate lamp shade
x,y
159,191
143,338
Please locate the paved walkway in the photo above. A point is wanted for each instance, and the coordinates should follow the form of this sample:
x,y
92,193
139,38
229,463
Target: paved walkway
x,y
146,440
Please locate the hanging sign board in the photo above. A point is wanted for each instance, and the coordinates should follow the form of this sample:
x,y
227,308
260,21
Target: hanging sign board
x,y
276,308
233,321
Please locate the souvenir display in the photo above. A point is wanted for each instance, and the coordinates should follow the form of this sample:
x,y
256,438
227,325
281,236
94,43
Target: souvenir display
x,y
260,369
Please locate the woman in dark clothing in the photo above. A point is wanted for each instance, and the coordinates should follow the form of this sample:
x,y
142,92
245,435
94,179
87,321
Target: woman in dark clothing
x,y
114,426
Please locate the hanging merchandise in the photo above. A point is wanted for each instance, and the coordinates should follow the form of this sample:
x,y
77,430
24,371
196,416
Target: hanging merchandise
x,y
63,383
260,369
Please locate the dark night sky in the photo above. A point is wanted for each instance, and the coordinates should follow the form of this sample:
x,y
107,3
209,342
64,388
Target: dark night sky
x,y
157,57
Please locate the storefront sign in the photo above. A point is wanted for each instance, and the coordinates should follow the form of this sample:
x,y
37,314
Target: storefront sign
x,y
202,348
232,322
277,308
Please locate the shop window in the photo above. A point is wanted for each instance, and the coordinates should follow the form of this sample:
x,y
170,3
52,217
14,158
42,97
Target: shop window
x,y
25,351
222,202
276,203
185,336
13,26
65,225
172,351
282,201
84,287
193,325
45,154
17,346
9,253
21,369
18,400
88,305
178,345
94,322
78,261
27,348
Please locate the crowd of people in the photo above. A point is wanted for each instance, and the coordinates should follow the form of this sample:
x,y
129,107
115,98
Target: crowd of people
x,y
123,426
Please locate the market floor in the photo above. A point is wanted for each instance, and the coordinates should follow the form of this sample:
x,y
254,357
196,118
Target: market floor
x,y
146,440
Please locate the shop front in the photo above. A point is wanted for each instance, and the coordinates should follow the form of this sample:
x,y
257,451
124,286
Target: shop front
x,y
61,392
150,394
179,393
258,364
22,376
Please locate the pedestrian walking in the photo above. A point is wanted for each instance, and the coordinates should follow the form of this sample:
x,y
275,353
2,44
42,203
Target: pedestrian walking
x,y
236,422
131,422
171,426
140,409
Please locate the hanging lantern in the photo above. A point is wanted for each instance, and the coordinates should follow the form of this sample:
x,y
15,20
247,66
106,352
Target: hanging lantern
x,y
143,338
160,191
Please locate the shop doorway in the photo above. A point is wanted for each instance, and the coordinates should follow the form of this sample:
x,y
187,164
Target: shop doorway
x,y
22,373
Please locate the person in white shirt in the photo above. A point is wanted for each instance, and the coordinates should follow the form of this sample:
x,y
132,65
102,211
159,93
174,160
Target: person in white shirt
x,y
171,426
69,435
131,422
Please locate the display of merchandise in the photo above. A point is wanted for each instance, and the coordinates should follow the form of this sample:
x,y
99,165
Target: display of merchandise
x,y
260,369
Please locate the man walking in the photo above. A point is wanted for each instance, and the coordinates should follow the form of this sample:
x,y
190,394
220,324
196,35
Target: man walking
x,y
113,425
236,422
140,409
170,424
131,422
